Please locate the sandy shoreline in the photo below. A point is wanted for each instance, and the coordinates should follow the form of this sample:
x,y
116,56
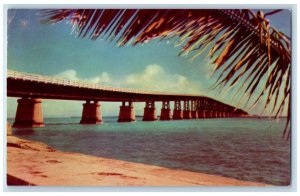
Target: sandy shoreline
x,y
34,163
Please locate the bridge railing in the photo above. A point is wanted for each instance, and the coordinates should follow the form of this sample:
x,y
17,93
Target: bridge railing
x,y
65,82
61,81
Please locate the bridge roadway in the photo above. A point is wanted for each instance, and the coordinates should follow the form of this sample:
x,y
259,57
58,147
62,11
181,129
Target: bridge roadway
x,y
31,88
23,84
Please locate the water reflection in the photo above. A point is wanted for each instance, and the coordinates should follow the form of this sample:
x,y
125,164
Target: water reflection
x,y
24,131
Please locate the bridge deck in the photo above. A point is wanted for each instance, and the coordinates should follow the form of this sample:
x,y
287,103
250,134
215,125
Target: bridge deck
x,y
21,84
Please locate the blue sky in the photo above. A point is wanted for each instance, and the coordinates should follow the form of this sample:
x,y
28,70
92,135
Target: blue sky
x,y
53,50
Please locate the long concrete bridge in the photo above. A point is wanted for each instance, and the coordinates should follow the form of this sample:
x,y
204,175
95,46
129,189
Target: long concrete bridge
x,y
32,88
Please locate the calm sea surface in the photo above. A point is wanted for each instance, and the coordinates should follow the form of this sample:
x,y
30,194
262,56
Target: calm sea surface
x,y
246,149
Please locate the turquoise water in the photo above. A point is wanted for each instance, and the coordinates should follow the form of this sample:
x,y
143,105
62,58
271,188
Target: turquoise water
x,y
248,149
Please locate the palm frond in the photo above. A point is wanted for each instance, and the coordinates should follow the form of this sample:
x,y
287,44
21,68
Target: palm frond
x,y
242,45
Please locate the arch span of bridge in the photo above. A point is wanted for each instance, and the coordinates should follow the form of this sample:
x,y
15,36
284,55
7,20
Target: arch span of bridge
x,y
32,88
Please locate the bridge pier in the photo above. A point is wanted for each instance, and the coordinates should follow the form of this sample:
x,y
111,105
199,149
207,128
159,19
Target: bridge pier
x,y
194,114
29,113
223,114
194,108
150,111
186,110
165,113
220,111
200,113
207,114
91,113
215,110
177,113
127,113
218,114
214,114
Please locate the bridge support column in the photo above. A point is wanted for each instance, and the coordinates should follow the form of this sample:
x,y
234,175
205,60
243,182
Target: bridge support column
x,y
186,110
201,113
220,112
206,110
213,110
165,113
194,114
29,113
91,113
213,114
127,113
207,113
223,114
150,111
177,113
194,107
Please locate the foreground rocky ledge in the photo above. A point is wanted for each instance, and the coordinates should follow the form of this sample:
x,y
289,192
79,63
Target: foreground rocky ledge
x,y
34,163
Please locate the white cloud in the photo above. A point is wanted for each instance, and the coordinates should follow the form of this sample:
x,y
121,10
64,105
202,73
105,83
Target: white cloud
x,y
71,74
68,74
155,78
